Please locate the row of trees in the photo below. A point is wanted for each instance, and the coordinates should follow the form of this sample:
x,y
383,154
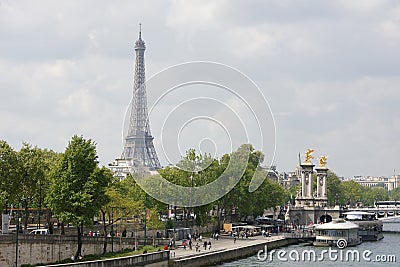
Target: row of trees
x,y
75,189
352,193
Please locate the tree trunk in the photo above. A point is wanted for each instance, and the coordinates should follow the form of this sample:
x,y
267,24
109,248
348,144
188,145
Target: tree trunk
x,y
79,250
62,228
26,215
103,213
219,210
48,218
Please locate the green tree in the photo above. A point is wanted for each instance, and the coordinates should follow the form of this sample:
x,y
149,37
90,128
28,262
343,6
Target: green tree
x,y
10,175
395,194
193,170
351,192
292,192
333,188
78,186
125,201
153,222
34,168
269,194
375,194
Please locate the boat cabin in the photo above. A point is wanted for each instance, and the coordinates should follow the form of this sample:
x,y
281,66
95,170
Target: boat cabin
x,y
330,234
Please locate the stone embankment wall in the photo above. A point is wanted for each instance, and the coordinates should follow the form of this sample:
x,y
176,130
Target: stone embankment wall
x,y
155,259
45,249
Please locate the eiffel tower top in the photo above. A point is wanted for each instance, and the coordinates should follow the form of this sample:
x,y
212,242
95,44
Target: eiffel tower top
x,y
139,44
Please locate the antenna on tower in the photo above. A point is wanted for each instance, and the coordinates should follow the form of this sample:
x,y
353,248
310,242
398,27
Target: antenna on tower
x,y
140,30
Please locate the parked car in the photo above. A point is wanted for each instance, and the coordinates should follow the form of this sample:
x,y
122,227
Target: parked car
x,y
40,232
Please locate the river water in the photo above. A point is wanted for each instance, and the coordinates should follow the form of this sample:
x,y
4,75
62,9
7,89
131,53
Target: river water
x,y
385,252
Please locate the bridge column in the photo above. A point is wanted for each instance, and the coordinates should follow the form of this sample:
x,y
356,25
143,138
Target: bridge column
x,y
305,197
321,194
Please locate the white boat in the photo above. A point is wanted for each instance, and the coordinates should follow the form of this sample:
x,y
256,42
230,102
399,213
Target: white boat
x,y
339,232
370,227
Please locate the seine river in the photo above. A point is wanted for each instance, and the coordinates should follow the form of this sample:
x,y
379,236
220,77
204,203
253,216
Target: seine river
x,y
385,252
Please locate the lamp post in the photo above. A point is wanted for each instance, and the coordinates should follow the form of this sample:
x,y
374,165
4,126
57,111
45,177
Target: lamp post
x,y
145,220
18,223
40,203
16,239
145,228
112,230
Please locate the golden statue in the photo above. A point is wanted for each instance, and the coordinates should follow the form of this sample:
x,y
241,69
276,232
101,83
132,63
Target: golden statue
x,y
308,158
322,161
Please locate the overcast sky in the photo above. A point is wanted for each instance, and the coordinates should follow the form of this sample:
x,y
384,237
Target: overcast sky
x,y
330,71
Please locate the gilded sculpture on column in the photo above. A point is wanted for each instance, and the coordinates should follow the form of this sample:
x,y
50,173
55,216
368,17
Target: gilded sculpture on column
x,y
322,161
308,156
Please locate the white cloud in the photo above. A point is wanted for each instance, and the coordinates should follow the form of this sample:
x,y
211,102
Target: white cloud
x,y
361,5
274,39
390,27
193,15
328,69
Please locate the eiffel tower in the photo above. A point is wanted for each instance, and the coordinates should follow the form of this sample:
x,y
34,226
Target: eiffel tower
x,y
138,145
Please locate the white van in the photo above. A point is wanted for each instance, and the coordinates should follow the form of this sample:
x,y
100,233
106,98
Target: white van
x,y
40,232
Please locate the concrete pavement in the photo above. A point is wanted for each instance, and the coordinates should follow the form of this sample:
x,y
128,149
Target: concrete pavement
x,y
221,244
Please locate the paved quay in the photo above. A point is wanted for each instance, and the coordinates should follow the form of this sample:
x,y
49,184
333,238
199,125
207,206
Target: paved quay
x,y
223,243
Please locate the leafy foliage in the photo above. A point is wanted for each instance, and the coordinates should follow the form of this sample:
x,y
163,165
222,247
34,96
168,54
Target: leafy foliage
x,y
10,174
78,186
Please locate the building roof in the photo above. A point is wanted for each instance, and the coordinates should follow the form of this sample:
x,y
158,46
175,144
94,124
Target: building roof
x,y
337,224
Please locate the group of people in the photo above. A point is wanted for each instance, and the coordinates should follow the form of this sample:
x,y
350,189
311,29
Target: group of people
x,y
94,233
205,246
198,238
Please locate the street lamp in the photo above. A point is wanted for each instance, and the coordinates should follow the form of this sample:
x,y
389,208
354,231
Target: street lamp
x,y
40,203
16,239
145,220
18,223
112,229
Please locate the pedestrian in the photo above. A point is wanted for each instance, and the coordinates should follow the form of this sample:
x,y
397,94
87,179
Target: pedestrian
x,y
190,244
234,239
209,245
197,247
205,245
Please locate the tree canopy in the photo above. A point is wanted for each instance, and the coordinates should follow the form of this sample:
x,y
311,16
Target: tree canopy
x,y
78,186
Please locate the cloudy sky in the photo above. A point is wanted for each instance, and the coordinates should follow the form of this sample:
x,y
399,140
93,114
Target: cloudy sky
x,y
330,71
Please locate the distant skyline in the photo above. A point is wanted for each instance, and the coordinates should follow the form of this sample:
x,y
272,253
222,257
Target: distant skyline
x,y
328,69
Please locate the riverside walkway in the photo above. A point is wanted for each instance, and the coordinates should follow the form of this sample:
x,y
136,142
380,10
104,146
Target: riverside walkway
x,y
223,243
